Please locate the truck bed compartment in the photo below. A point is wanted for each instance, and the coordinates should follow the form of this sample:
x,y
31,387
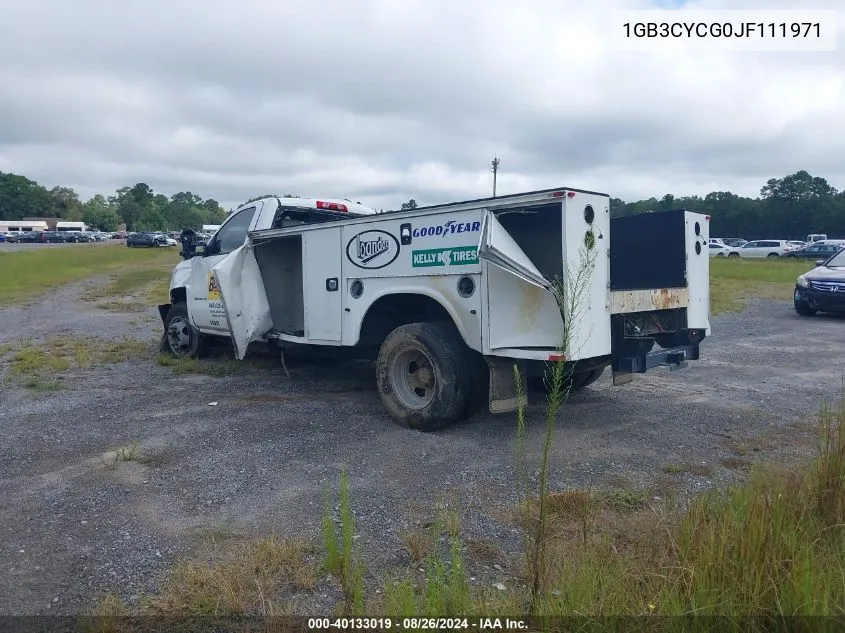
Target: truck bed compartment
x,y
648,251
280,262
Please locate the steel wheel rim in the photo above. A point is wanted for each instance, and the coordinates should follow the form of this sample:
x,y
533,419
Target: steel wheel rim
x,y
180,336
413,378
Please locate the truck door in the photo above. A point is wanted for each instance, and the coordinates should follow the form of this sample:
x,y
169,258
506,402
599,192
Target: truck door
x,y
500,249
242,295
204,305
520,311
322,258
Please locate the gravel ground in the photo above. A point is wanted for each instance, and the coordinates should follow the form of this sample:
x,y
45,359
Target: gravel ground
x,y
75,527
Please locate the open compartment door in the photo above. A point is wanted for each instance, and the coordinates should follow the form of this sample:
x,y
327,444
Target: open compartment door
x,y
243,296
499,248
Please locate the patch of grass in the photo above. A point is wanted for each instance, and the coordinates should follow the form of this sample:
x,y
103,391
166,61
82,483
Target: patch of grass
x,y
254,579
732,281
27,274
418,543
37,365
484,551
735,463
217,367
222,366
126,453
341,560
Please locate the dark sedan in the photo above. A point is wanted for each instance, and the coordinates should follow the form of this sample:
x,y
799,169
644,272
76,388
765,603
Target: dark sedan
x,y
823,288
145,240
815,251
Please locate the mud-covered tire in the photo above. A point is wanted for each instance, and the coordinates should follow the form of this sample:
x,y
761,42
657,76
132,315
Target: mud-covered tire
x,y
180,338
422,376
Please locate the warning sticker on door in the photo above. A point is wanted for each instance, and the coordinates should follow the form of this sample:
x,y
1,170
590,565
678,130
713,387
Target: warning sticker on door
x,y
213,290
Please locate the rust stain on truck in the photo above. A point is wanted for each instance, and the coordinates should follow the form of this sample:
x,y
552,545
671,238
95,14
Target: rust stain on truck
x,y
530,302
628,301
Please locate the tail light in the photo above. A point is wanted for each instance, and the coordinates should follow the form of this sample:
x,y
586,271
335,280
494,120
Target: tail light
x,y
332,206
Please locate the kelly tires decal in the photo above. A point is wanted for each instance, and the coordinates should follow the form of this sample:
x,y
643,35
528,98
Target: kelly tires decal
x,y
373,249
460,255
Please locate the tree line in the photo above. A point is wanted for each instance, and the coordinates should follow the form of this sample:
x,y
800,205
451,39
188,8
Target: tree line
x,y
791,207
138,207
787,208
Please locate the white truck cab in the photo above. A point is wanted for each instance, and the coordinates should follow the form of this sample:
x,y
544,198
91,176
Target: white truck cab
x,y
191,283
449,298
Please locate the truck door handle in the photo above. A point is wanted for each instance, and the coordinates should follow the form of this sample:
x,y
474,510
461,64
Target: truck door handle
x,y
332,284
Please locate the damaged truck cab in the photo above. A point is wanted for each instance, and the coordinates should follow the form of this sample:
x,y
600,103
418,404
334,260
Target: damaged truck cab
x,y
449,298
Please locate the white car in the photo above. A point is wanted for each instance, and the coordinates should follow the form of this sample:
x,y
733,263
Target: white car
x,y
721,250
765,248
798,245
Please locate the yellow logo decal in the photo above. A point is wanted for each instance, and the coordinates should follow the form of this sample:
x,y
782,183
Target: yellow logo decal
x,y
213,289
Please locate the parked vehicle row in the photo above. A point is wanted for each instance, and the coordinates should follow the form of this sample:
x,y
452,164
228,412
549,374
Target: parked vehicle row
x,y
149,240
56,236
772,249
155,238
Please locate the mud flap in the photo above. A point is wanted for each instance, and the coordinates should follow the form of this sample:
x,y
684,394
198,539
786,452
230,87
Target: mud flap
x,y
622,378
503,393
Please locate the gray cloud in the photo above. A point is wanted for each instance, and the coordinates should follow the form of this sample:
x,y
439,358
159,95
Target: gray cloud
x,y
381,101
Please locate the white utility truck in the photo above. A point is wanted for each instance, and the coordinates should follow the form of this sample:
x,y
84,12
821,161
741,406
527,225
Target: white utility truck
x,y
448,298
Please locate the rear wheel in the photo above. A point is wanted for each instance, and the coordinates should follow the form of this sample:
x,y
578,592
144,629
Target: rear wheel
x,y
772,256
181,339
422,375
733,255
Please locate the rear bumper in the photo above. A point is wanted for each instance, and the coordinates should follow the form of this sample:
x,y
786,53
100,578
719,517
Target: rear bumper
x,y
823,300
635,355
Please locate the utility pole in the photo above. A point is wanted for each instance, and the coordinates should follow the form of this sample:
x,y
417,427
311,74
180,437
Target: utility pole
x,y
495,165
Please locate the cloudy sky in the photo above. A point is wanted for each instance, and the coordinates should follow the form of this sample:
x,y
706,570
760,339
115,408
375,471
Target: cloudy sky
x,y
384,100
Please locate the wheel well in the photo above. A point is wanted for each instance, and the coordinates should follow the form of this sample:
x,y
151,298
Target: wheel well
x,y
389,312
178,295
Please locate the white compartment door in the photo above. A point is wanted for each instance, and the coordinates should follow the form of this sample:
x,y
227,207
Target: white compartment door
x,y
521,310
322,258
500,249
242,295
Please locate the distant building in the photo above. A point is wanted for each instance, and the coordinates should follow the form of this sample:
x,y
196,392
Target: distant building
x,y
23,225
71,226
51,222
